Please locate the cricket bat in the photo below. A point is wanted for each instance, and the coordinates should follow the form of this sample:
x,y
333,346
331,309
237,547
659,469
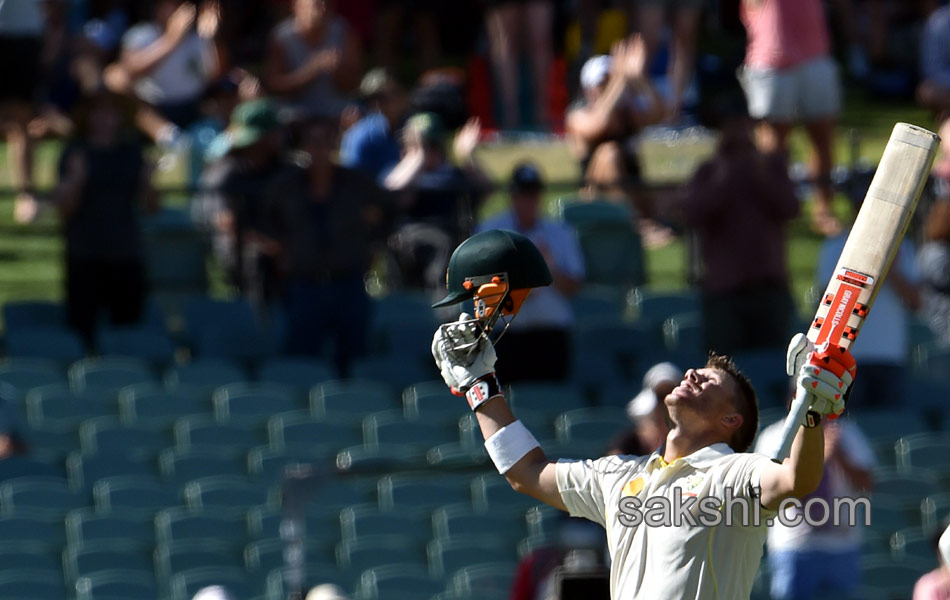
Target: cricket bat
x,y
868,251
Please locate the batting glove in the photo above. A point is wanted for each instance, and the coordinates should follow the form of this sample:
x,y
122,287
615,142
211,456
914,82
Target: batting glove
x,y
826,376
466,360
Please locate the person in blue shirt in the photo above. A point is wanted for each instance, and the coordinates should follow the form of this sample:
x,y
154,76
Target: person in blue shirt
x,y
371,145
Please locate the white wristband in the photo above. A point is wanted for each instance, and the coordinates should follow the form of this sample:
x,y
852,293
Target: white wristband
x,y
509,445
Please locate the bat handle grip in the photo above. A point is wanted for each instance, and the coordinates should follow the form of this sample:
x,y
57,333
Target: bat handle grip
x,y
793,422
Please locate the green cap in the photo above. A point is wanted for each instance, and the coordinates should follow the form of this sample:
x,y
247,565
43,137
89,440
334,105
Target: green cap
x,y
494,252
429,127
250,121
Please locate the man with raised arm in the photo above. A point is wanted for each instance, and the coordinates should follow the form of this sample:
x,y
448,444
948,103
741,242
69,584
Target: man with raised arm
x,y
687,521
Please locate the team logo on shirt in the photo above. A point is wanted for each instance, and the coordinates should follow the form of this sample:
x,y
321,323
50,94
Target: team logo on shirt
x,y
693,483
632,488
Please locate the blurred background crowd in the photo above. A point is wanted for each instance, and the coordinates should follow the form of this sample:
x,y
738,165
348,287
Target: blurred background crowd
x,y
249,206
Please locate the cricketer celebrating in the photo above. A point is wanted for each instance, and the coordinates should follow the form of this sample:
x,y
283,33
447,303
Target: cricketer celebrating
x,y
703,463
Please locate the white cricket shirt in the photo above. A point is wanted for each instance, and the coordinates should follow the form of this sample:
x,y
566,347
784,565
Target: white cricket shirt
x,y
655,562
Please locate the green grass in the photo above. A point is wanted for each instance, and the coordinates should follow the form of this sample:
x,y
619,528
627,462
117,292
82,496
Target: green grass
x,y
31,256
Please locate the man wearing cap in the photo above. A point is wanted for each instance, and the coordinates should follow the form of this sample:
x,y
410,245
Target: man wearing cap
x,y
371,145
647,410
618,101
537,344
248,153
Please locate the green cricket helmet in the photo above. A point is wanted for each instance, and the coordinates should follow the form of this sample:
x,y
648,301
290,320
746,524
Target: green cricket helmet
x,y
496,268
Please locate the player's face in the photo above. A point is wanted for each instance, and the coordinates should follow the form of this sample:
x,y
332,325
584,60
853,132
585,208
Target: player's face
x,y
706,390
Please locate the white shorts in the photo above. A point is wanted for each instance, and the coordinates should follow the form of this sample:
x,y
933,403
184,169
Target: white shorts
x,y
804,92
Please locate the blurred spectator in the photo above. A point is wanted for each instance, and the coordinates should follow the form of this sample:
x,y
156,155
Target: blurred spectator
x,y
371,145
933,263
933,91
168,64
324,219
326,591
739,203
602,128
807,558
789,77
104,181
683,16
421,19
647,410
537,344
21,36
234,190
516,29
882,349
935,585
438,198
314,59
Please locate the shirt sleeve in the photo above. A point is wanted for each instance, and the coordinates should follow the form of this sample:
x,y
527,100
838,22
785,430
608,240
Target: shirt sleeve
x,y
139,37
581,487
743,474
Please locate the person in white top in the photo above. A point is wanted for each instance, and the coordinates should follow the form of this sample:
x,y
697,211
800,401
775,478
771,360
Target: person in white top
x,y
537,346
806,558
704,463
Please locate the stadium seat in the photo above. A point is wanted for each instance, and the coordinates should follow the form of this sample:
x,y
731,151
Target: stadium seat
x,y
51,498
186,584
447,556
613,254
356,556
269,465
299,429
366,520
140,342
455,520
264,522
908,483
598,302
175,259
301,374
86,525
92,557
933,509
431,401
937,363
654,307
390,427
624,346
408,492
684,339
597,425
395,370
228,329
14,467
351,399
931,451
23,374
579,212
479,580
205,432
27,527
224,495
263,556
382,457
890,512
913,545
106,376
883,573
150,405
179,467
174,557
28,555
407,334
58,407
134,495
116,585
887,424
252,402
110,435
313,574
543,520
766,371
35,584
550,397
456,455
490,492
61,345
539,423
85,469
31,314
183,524
397,582
205,374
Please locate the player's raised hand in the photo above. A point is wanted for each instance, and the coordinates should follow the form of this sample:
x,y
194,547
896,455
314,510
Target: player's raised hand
x,y
463,354
826,376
